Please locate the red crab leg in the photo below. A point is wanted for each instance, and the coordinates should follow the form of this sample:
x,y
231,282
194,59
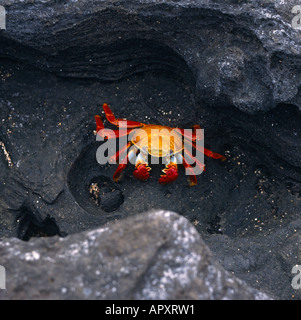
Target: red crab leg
x,y
99,123
192,137
122,165
197,161
119,122
108,133
116,156
192,177
207,152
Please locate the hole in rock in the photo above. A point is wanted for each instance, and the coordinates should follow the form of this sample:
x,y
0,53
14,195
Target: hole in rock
x,y
104,193
32,226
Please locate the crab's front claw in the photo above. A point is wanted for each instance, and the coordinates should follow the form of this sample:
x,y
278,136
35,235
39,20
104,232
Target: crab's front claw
x,y
171,174
142,171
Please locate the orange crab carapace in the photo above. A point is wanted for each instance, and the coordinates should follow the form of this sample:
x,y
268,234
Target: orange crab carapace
x,y
171,146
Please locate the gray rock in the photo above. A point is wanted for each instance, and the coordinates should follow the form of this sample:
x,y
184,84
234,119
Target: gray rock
x,y
157,255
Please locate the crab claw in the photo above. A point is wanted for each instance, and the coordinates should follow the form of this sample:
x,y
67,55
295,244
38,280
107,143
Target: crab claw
x,y
142,171
171,174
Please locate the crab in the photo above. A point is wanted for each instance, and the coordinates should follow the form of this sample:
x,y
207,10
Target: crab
x,y
171,146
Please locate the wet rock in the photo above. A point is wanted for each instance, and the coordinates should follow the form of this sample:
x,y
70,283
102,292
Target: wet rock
x,y
157,255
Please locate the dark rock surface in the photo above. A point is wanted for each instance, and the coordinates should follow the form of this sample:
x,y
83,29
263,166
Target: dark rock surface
x,y
157,255
265,261
231,67
241,53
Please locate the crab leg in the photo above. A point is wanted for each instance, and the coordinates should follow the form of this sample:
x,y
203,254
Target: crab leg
x,y
211,154
193,136
142,169
123,164
170,172
188,167
99,123
120,152
119,122
207,152
198,163
108,133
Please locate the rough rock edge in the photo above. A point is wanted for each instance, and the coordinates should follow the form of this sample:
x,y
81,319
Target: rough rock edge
x,y
156,255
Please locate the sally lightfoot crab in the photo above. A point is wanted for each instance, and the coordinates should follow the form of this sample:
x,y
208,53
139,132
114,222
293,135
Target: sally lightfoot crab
x,y
171,145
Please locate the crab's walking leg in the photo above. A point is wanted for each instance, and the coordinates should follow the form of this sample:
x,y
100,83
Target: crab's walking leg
x,y
196,160
115,158
108,133
142,169
188,167
119,122
207,152
170,171
123,164
99,123
192,136
211,154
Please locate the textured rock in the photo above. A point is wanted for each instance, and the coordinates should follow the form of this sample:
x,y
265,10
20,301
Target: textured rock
x,y
175,63
265,261
157,255
245,54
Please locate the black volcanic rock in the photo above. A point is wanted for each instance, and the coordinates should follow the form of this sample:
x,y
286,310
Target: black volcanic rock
x,y
242,53
161,249
231,67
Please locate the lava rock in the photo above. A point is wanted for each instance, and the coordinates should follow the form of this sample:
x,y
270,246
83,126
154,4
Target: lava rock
x,y
246,54
157,255
105,194
175,63
258,260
